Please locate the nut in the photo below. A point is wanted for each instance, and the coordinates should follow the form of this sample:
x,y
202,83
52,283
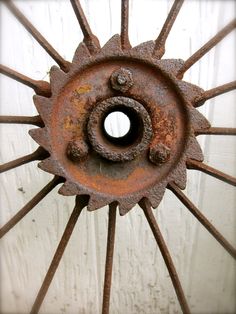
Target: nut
x,y
76,150
159,154
121,80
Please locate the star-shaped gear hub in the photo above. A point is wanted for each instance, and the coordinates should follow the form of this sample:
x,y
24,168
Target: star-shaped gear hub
x,y
162,125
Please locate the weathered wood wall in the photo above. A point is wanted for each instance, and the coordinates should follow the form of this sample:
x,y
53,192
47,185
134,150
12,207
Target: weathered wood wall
x,y
141,283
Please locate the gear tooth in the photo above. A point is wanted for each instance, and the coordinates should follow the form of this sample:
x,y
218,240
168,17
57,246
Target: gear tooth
x,y
179,175
50,166
113,46
171,65
43,106
57,79
190,91
181,180
69,188
145,49
155,195
96,203
41,101
81,54
194,150
41,136
198,121
125,206
155,202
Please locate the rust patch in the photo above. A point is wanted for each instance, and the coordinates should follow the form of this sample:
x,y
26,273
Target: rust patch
x,y
83,89
68,123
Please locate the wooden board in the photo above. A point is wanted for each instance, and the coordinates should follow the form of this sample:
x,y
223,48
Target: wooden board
x,y
141,283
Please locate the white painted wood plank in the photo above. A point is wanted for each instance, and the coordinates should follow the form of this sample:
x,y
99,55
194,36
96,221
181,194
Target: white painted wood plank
x,y
141,281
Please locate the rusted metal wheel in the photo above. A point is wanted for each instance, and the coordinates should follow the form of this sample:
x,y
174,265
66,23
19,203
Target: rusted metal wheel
x,y
137,168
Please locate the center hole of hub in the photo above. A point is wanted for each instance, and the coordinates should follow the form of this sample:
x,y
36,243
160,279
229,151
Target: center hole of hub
x,y
117,124
122,126
119,129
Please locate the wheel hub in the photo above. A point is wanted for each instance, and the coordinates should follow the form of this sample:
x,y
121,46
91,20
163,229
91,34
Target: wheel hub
x,y
142,162
129,146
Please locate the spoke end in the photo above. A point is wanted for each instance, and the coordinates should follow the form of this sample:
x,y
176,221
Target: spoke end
x,y
42,88
159,52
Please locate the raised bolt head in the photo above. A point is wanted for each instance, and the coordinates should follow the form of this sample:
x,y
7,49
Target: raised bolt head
x,y
121,79
76,150
159,154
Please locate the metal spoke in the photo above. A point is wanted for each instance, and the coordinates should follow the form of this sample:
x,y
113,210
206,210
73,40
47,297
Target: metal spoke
x,y
40,87
124,34
159,49
81,202
30,205
90,39
211,93
39,154
166,255
197,165
109,258
36,120
216,131
64,65
204,49
202,219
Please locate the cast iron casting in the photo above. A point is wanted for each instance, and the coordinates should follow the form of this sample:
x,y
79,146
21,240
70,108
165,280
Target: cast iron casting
x,y
100,169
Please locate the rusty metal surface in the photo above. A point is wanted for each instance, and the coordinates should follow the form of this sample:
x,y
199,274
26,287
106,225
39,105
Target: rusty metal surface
x,y
200,166
219,90
109,258
145,205
205,48
80,203
136,168
39,154
124,32
217,131
36,120
90,39
40,87
159,49
163,123
129,146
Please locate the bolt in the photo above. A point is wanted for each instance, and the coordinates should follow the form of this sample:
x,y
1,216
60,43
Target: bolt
x,y
159,154
121,80
76,150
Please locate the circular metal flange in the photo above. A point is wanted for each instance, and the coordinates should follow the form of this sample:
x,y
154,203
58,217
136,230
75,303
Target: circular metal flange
x,y
128,146
143,162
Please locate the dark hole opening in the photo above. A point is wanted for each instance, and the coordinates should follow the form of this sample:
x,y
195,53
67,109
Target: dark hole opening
x,y
123,126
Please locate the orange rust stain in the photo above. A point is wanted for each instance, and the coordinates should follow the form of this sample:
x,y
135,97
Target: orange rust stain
x,y
117,187
73,126
83,89
169,138
68,123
